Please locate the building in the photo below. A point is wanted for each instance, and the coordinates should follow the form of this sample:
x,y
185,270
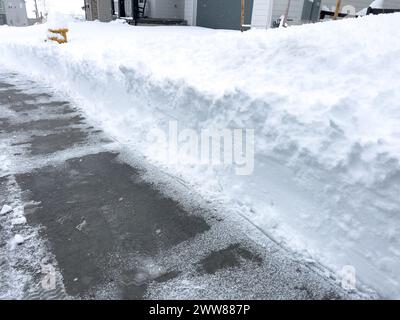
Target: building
x,y
300,11
225,14
173,10
13,13
3,18
355,6
98,10
266,12
206,13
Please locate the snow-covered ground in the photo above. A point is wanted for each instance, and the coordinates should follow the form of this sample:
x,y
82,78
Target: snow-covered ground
x,y
323,100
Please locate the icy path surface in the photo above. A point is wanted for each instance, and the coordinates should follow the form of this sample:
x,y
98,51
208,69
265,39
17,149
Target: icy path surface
x,y
112,227
323,100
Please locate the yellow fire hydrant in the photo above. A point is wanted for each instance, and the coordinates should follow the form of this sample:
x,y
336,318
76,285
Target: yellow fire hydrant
x,y
58,35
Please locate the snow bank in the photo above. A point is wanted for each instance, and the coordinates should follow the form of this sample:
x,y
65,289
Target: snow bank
x,y
323,100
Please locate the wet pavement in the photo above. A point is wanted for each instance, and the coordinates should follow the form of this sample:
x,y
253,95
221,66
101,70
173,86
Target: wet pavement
x,y
108,231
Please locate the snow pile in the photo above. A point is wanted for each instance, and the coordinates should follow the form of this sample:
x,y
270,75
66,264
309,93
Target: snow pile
x,y
57,20
6,209
16,241
323,100
18,221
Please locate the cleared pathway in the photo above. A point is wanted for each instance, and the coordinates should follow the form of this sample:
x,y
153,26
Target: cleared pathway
x,y
101,226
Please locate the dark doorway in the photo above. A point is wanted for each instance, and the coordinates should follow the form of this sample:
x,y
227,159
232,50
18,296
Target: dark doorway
x,y
121,8
112,7
135,10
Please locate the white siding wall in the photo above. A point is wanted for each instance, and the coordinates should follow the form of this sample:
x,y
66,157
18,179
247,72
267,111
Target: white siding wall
x,y
16,13
166,8
190,12
295,11
267,11
128,8
262,13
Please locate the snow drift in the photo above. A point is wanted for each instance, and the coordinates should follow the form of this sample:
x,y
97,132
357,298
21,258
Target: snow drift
x,y
323,100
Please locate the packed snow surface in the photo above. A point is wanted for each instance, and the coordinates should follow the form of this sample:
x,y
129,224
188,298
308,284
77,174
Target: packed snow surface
x,y
323,100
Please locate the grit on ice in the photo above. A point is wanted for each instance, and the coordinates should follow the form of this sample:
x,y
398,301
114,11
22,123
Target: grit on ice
x,y
160,310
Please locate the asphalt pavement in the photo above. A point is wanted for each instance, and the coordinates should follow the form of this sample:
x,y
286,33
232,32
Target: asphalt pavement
x,y
108,232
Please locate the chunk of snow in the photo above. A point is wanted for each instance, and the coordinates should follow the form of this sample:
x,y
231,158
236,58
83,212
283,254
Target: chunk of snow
x,y
81,225
16,241
18,221
6,209
57,20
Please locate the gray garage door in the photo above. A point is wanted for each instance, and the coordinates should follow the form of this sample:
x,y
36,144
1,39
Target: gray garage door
x,y
222,14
